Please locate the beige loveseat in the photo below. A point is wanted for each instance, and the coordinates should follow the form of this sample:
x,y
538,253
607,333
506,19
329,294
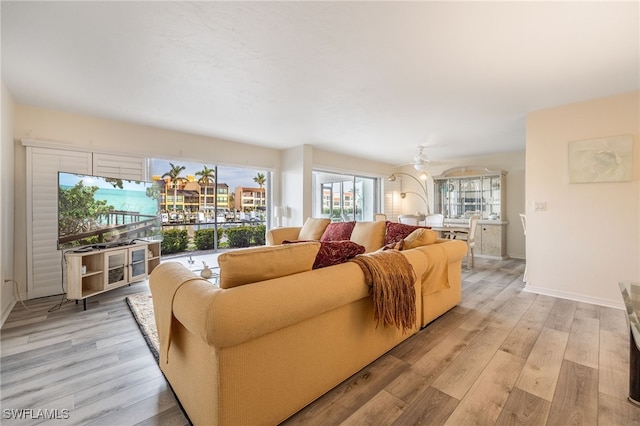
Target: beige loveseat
x,y
261,349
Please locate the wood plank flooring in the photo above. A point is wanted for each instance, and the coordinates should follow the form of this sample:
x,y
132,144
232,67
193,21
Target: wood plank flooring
x,y
502,357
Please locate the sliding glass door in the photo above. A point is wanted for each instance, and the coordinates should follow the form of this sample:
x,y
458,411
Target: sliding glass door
x,y
344,198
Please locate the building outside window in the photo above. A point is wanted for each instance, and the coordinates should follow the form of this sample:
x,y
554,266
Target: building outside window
x,y
344,197
193,193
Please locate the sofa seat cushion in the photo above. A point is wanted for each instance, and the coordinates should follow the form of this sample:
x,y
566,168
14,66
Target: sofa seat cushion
x,y
246,266
313,228
369,234
338,231
336,252
398,231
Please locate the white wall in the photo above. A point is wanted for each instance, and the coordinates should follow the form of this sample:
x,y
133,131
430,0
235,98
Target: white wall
x,y
332,162
588,239
294,173
7,185
292,167
82,132
297,165
92,133
512,162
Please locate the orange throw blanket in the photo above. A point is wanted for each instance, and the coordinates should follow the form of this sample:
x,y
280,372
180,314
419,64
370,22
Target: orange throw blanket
x,y
391,279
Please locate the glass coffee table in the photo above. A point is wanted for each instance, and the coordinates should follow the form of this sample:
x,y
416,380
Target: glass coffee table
x,y
631,295
213,276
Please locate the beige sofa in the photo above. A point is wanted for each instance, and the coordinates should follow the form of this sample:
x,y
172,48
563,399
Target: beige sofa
x,y
261,349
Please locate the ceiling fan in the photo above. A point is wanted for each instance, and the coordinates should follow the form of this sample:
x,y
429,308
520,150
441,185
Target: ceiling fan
x,y
421,161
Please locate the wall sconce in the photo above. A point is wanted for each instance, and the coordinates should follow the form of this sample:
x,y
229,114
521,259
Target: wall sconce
x,y
422,183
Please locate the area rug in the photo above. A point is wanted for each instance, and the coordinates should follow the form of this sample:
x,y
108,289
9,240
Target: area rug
x,y
141,306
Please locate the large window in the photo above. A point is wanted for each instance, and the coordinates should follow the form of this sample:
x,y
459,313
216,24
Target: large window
x,y
344,197
196,196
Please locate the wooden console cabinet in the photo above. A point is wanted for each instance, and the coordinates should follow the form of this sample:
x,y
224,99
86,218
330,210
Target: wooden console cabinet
x,y
99,270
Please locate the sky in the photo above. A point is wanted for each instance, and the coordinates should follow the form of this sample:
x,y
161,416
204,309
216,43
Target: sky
x,y
70,179
232,176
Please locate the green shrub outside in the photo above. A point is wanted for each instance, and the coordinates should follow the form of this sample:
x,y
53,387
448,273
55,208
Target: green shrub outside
x,y
174,241
239,236
203,238
258,238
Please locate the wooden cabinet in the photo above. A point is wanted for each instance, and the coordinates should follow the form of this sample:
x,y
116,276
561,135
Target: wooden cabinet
x,y
465,191
493,240
92,272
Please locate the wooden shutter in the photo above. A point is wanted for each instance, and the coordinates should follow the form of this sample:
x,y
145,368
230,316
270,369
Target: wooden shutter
x,y
392,204
118,166
44,260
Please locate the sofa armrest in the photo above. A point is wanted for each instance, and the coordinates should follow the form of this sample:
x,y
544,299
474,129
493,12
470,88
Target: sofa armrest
x,y
441,259
276,236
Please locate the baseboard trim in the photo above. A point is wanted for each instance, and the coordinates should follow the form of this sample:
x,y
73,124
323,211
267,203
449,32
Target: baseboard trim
x,y
575,297
6,312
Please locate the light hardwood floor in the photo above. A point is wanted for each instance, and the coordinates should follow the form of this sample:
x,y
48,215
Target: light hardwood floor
x,y
503,357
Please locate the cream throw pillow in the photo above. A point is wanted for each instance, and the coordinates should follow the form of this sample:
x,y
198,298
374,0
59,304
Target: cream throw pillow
x,y
369,234
313,229
246,266
419,237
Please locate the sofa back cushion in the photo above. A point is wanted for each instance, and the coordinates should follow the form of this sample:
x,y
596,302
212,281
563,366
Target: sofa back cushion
x,y
246,266
338,231
313,228
369,234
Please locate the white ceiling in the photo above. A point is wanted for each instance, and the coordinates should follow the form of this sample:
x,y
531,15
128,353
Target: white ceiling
x,y
371,79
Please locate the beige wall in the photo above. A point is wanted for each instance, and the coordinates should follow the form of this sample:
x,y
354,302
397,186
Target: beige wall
x,y
7,185
512,162
588,239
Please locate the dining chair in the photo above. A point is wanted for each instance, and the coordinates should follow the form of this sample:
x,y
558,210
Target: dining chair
x,y
470,238
409,219
381,217
523,219
434,219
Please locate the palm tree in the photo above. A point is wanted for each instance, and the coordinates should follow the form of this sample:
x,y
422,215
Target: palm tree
x,y
174,175
207,177
260,179
232,204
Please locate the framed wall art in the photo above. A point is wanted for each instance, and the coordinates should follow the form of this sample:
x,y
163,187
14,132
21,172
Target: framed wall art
x,y
606,159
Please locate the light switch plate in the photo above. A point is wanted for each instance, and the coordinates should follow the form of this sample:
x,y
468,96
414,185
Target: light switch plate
x,y
539,206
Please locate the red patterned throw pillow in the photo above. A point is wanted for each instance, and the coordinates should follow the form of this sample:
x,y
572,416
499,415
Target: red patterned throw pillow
x,y
338,231
333,252
336,252
399,231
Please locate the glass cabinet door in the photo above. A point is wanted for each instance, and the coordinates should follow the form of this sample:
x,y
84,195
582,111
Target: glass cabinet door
x,y
116,267
470,197
138,263
463,194
492,197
